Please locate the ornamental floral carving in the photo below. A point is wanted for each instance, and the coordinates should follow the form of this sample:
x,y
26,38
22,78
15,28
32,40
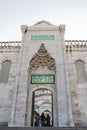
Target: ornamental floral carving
x,y
42,58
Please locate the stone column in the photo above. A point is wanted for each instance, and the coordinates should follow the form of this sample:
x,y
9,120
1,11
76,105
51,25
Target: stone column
x,y
63,91
20,92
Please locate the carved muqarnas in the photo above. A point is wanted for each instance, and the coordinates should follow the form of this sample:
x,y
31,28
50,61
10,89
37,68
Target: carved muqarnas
x,y
42,58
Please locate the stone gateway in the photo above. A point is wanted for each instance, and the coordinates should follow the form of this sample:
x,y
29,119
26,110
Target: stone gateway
x,y
43,79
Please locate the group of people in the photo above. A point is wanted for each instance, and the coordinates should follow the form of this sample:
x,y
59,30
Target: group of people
x,y
45,121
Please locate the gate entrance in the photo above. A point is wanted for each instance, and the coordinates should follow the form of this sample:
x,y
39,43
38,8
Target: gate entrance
x,y
42,110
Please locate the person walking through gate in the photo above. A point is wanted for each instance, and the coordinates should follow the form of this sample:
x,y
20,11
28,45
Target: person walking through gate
x,y
37,121
48,120
42,119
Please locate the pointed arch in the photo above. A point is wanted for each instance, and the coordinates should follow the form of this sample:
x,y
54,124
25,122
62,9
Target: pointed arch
x,y
4,72
80,71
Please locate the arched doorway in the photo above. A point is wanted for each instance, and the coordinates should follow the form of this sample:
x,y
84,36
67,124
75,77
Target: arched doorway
x,y
42,102
41,97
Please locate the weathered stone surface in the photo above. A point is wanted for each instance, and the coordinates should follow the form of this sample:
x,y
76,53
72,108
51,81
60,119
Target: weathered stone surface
x,y
69,95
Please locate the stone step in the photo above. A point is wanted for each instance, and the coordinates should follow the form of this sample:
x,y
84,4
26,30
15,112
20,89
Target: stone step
x,y
43,128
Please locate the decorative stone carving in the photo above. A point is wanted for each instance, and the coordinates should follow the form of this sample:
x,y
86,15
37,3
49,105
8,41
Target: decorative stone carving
x,y
62,28
79,59
42,58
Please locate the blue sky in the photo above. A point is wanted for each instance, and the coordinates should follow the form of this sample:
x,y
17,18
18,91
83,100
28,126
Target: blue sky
x,y
14,13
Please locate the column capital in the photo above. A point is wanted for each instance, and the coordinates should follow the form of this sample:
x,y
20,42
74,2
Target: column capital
x,y
62,28
24,28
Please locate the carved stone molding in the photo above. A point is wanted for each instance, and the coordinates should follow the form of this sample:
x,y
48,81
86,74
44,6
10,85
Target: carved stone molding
x,y
6,59
79,59
42,58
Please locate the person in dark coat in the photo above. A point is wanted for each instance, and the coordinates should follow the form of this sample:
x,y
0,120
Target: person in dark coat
x,y
37,122
42,119
48,120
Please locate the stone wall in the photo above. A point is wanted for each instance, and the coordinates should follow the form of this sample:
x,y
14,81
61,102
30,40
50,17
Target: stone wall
x,y
7,89
78,90
74,54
